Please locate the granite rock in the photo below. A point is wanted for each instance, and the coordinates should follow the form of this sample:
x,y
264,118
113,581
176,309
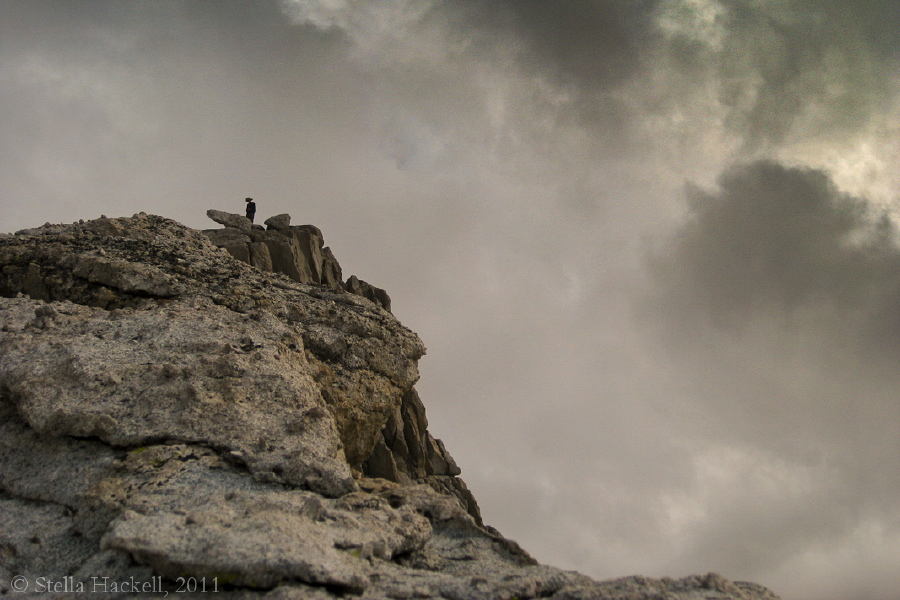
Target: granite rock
x,y
279,222
230,219
298,252
170,414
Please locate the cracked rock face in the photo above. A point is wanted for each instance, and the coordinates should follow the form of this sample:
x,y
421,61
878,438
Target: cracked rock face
x,y
168,411
202,373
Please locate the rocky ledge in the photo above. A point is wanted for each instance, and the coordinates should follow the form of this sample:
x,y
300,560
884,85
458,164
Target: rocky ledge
x,y
296,251
180,413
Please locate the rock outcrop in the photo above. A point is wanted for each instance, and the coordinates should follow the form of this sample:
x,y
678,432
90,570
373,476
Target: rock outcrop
x,y
173,418
296,251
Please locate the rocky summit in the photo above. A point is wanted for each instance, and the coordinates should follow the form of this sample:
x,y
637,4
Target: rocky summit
x,y
220,414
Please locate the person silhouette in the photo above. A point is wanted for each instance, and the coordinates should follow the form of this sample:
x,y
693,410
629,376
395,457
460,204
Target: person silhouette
x,y
251,209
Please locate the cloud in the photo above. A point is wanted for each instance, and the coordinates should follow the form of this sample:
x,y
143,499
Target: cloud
x,y
115,109
777,301
593,44
775,241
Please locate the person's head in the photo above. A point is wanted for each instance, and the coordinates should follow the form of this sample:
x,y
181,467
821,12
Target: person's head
x,y
249,200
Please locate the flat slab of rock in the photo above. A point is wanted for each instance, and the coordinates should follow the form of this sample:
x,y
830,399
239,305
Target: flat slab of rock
x,y
230,219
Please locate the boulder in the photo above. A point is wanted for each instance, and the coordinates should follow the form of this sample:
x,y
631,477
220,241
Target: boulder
x,y
288,258
238,251
228,236
331,270
310,241
357,286
279,222
230,219
299,252
260,257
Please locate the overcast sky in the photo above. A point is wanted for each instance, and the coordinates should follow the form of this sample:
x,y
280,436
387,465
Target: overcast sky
x,y
650,244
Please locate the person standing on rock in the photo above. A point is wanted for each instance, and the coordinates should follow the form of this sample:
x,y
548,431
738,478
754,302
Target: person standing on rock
x,y
251,209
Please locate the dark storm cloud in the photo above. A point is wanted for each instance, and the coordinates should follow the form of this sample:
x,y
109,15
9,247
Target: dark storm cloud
x,y
874,20
777,240
585,50
597,44
778,67
778,301
779,298
784,67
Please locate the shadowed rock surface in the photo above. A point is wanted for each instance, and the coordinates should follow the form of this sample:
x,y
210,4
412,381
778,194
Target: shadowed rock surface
x,y
167,410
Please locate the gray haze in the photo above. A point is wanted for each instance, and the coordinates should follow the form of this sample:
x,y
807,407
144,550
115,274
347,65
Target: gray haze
x,y
649,244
